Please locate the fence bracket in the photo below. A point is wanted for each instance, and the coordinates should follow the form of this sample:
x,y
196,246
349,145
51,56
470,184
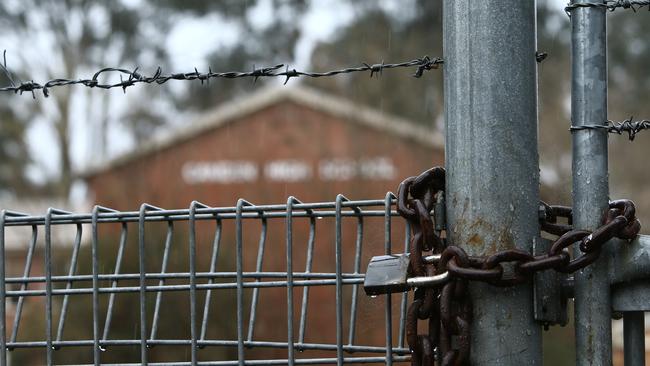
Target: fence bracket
x,y
630,261
629,270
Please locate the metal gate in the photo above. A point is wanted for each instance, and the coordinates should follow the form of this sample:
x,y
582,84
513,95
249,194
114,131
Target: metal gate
x,y
492,206
57,290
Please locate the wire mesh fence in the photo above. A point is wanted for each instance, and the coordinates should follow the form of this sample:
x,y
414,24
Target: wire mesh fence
x,y
242,285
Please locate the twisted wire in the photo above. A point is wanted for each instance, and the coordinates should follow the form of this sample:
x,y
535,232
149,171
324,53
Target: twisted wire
x,y
130,78
627,126
610,5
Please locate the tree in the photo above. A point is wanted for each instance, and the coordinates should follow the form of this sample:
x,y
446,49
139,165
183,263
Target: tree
x,y
75,38
69,38
381,35
257,45
629,83
14,155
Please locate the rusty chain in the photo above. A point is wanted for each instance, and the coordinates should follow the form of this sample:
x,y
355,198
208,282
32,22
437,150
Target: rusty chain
x,y
448,308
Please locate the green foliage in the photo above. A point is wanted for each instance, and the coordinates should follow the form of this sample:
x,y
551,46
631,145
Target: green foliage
x,y
262,45
377,36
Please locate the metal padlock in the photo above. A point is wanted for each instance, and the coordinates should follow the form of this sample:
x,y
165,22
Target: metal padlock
x,y
389,273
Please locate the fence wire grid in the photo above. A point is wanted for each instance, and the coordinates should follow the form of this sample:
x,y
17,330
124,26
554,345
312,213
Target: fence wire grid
x,y
328,238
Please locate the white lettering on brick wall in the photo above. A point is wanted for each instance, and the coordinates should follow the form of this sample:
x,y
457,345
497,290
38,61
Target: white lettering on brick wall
x,y
377,168
342,169
221,171
289,170
337,169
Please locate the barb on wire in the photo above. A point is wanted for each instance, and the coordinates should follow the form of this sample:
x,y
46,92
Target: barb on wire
x,y
610,5
129,78
627,126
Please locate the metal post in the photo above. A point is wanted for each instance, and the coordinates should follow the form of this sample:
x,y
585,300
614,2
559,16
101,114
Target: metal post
x,y
492,162
634,338
590,183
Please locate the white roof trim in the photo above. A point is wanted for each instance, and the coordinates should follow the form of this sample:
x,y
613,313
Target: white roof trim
x,y
268,96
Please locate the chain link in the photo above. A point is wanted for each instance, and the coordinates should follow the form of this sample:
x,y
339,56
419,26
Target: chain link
x,y
448,309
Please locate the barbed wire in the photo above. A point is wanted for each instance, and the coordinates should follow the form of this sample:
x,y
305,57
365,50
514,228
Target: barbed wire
x,y
627,126
610,5
129,78
540,56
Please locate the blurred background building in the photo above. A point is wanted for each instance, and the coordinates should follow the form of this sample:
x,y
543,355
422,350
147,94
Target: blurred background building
x,y
276,142
218,141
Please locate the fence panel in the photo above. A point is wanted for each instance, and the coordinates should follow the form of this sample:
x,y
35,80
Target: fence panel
x,y
242,285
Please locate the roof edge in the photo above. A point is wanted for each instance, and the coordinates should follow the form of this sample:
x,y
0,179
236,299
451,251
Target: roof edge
x,y
266,97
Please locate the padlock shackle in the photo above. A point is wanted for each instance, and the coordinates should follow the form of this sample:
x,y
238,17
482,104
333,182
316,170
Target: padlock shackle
x,y
434,258
429,281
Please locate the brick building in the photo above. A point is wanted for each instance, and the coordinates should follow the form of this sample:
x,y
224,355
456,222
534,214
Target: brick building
x,y
264,147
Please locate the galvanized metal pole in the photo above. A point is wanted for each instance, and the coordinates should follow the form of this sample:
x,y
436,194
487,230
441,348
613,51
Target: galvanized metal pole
x,y
492,162
590,182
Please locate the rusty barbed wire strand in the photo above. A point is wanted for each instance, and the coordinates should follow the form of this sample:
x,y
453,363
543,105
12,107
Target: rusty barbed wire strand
x,y
610,5
629,126
129,78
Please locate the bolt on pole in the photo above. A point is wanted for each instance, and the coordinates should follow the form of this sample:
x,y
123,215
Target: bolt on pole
x,y
590,181
492,195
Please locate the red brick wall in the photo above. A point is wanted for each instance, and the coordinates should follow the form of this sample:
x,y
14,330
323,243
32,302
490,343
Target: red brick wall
x,y
282,131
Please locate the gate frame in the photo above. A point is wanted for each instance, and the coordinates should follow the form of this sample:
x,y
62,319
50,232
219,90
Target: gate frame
x,y
593,317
